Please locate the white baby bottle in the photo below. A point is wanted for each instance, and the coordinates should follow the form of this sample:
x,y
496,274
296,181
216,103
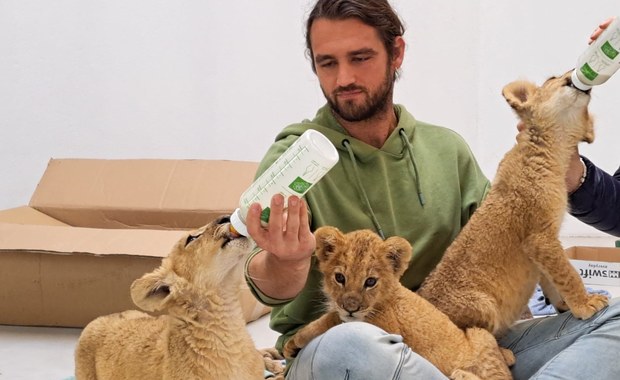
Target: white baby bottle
x,y
600,60
299,168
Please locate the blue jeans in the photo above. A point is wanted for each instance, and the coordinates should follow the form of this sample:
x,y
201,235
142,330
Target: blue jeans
x,y
557,347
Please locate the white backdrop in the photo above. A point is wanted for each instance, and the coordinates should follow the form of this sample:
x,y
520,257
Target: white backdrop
x,y
217,79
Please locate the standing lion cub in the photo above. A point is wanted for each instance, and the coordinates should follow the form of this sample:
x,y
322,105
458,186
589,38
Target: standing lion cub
x,y
489,272
361,281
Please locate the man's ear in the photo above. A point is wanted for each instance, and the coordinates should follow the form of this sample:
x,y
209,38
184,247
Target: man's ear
x,y
152,291
398,52
327,241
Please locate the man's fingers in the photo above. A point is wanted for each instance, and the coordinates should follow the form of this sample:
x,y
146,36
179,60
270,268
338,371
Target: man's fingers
x,y
292,221
276,215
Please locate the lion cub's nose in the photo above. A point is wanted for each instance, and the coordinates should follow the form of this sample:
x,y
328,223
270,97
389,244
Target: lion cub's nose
x,y
351,304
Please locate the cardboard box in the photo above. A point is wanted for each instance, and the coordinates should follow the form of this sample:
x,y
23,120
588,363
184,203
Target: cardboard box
x,y
596,265
94,226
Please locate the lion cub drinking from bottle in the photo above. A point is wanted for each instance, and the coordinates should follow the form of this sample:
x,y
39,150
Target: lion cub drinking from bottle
x,y
489,272
361,281
201,334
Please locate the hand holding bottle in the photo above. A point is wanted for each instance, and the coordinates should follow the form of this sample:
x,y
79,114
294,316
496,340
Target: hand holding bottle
x,y
281,269
601,59
602,26
273,212
288,234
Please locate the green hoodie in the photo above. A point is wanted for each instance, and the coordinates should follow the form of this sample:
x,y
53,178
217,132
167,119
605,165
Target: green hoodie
x,y
378,189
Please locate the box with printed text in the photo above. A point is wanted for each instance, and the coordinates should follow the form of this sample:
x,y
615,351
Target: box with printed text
x,y
596,265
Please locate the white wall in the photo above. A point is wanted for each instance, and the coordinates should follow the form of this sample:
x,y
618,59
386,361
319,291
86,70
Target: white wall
x,y
217,79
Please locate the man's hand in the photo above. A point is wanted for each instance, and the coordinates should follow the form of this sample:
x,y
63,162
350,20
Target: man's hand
x,y
288,234
281,269
602,26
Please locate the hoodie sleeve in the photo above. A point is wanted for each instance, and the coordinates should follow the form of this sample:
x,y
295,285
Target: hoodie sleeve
x,y
597,201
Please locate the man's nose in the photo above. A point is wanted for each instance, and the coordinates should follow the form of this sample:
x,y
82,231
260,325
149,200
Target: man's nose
x,y
346,75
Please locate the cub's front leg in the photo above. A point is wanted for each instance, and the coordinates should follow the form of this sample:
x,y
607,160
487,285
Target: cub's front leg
x,y
556,267
309,332
552,295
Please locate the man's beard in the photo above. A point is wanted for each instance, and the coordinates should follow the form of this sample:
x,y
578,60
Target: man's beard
x,y
373,105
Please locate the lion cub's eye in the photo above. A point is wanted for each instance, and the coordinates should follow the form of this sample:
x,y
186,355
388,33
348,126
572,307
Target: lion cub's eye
x,y
191,238
370,282
339,278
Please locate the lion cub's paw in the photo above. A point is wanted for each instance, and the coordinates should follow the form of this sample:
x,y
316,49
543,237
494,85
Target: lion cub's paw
x,y
291,349
460,374
272,360
595,302
509,356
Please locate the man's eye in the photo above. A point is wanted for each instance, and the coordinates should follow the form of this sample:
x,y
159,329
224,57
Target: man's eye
x,y
360,59
327,64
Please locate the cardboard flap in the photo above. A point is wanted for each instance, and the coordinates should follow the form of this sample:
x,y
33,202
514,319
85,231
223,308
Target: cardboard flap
x,y
69,240
140,193
610,254
28,215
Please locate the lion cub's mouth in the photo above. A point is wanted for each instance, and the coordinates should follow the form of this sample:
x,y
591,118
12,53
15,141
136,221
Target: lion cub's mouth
x,y
228,237
355,316
587,92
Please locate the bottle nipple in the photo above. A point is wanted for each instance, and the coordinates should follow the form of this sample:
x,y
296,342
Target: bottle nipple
x,y
234,233
237,224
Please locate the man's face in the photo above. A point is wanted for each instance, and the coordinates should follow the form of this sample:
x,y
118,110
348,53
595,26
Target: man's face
x,y
353,67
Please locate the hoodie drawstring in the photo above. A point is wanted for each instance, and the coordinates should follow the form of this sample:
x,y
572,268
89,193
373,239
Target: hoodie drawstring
x,y
406,142
347,145
415,173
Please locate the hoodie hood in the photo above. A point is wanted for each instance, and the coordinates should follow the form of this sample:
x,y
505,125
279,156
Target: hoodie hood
x,y
326,123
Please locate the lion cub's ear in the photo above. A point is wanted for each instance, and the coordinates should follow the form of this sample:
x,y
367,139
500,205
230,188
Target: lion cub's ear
x,y
518,93
328,239
398,254
152,291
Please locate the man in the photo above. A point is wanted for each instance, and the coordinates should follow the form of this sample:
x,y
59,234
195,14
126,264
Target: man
x,y
398,176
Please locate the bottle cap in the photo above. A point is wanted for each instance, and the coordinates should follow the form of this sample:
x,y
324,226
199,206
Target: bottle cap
x,y
236,223
578,83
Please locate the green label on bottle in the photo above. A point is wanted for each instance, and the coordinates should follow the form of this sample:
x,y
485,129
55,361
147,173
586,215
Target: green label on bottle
x,y
609,50
264,216
299,185
588,72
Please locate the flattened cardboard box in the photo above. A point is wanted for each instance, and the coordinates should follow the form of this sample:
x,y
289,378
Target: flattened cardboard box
x,y
596,265
72,254
157,194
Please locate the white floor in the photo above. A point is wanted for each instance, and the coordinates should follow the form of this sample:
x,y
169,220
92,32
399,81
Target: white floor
x,y
42,353
46,353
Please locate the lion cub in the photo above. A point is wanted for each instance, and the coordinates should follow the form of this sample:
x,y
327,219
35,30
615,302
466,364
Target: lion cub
x,y
202,333
491,269
361,281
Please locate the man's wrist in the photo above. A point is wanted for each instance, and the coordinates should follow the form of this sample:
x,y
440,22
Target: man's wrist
x,y
294,265
582,179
